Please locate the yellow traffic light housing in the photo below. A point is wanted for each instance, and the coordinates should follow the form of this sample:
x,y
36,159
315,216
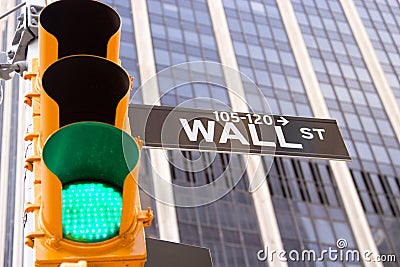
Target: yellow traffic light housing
x,y
98,218
89,201
75,27
78,27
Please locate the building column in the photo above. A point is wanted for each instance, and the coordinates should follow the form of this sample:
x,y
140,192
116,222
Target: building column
x,y
374,66
344,180
166,213
264,208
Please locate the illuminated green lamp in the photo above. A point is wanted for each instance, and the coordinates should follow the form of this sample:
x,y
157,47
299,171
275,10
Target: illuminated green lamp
x,y
91,160
91,212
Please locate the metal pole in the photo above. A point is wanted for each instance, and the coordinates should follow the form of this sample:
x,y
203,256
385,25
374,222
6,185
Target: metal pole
x,y
5,149
12,10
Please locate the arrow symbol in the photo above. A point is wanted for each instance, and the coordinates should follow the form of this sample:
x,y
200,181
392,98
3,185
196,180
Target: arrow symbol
x,y
283,121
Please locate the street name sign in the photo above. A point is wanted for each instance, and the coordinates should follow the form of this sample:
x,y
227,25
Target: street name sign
x,y
235,132
162,253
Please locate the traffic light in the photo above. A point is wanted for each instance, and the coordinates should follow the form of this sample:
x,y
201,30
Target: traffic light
x,y
90,206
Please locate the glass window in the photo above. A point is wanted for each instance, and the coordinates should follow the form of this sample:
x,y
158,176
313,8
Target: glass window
x,y
191,38
162,56
380,154
348,71
353,121
302,18
343,94
249,28
353,50
256,52
178,58
383,58
154,6
272,55
170,10
393,80
358,97
329,24
296,84
316,21
207,41
363,74
288,108
324,44
279,35
186,14
287,58
343,230
310,41
273,11
240,48
394,154
333,68
175,34
306,229
373,100
279,81
257,8
202,17
286,225
318,65
369,124
262,77
324,231
364,151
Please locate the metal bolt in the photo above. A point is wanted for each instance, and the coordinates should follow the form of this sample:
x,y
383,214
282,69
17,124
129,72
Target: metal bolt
x,y
33,10
34,21
10,54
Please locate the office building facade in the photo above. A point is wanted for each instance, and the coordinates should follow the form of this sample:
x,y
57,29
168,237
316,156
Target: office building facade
x,y
335,59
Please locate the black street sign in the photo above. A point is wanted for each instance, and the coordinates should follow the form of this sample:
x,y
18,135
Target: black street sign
x,y
233,132
167,254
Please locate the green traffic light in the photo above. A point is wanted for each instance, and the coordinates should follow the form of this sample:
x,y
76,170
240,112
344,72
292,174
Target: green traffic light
x,y
91,160
91,212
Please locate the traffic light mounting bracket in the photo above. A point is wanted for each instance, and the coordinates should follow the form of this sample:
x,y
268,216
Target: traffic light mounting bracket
x,y
27,30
